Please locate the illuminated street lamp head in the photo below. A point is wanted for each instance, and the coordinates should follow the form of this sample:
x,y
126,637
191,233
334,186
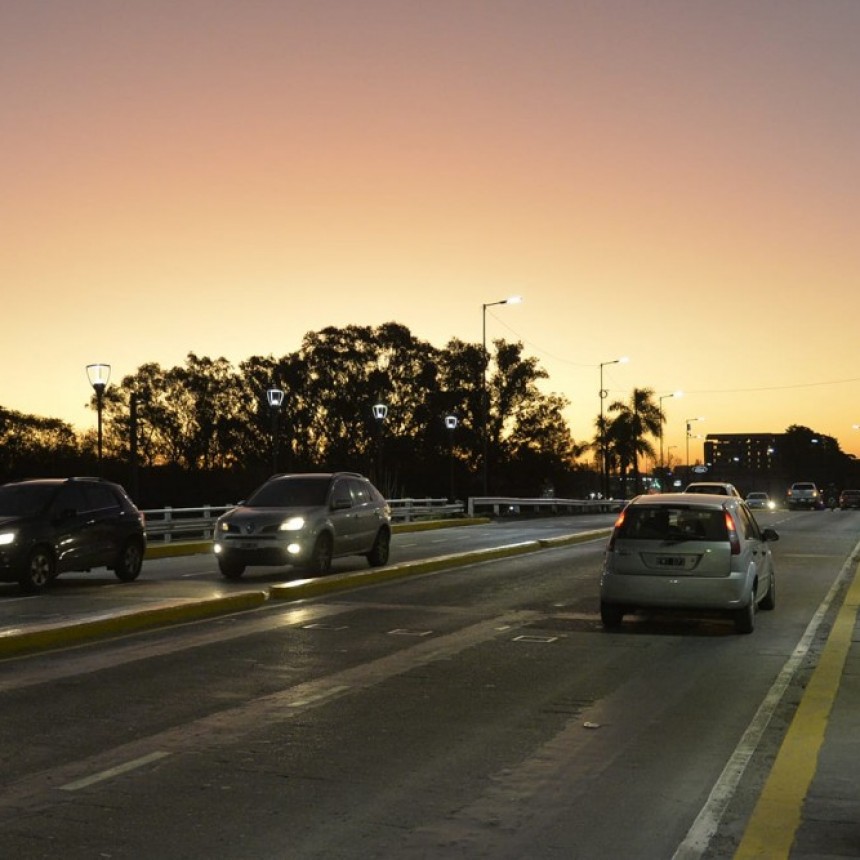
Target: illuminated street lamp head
x,y
98,374
451,422
510,300
380,411
275,397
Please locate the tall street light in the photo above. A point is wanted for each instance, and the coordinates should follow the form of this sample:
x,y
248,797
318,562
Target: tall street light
x,y
275,398
661,398
689,434
98,375
604,463
485,405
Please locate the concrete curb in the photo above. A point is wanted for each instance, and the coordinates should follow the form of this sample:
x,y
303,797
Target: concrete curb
x,y
44,638
342,582
196,547
17,642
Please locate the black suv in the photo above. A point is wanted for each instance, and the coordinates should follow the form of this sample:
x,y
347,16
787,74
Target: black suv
x,y
305,521
53,525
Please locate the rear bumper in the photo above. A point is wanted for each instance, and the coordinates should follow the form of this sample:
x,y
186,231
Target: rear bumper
x,y
682,592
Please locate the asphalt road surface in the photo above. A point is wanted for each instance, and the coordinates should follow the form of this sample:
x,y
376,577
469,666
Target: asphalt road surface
x,y
468,713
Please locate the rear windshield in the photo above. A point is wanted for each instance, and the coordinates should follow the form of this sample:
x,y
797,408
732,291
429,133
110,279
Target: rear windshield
x,y
710,489
673,524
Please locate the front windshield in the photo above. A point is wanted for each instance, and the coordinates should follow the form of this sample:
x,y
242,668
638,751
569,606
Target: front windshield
x,y
25,500
291,493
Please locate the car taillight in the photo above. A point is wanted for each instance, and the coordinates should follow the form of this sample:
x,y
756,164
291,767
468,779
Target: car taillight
x,y
734,540
611,545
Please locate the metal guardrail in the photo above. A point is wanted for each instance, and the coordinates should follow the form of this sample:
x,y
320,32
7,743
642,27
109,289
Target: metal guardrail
x,y
501,505
167,524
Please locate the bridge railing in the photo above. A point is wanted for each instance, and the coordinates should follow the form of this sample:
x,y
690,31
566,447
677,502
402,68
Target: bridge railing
x,y
166,524
502,505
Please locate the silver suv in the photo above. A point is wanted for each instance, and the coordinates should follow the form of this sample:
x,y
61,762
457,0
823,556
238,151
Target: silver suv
x,y
688,551
803,494
305,521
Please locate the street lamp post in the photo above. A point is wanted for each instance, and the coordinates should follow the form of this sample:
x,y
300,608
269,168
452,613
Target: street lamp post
x,y
98,375
604,463
485,405
275,397
663,418
380,413
451,425
689,435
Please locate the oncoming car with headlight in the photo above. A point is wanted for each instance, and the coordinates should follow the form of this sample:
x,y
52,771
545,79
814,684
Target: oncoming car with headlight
x,y
305,520
688,551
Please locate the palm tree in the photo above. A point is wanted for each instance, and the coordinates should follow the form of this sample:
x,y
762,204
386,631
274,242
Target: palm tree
x,y
626,432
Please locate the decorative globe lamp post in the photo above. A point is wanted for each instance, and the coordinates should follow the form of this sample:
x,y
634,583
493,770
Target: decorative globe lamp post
x,y
98,375
275,398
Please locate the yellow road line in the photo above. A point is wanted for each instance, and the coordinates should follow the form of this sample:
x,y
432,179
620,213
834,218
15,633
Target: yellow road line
x,y
776,818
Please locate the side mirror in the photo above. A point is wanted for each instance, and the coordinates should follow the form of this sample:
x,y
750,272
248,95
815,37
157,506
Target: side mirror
x,y
770,534
341,503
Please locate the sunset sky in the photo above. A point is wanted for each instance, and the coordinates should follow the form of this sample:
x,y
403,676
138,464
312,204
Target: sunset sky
x,y
677,181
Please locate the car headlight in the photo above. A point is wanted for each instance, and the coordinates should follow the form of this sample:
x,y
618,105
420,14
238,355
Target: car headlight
x,y
6,538
293,524
222,526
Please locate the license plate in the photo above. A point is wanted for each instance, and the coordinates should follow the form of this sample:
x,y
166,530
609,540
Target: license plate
x,y
248,544
671,561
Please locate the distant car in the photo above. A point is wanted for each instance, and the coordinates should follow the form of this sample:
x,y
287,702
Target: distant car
x,y
760,501
51,526
305,520
690,552
849,499
716,488
803,494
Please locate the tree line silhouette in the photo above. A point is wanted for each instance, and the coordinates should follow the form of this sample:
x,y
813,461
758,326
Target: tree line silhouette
x,y
203,432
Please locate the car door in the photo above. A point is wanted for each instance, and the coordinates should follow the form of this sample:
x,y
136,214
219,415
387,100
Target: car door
x,y
757,549
366,516
103,524
342,516
72,529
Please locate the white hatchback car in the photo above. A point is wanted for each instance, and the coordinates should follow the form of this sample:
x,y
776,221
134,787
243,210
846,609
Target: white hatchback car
x,y
688,551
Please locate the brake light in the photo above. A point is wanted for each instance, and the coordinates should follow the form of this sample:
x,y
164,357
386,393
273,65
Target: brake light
x,y
734,540
611,545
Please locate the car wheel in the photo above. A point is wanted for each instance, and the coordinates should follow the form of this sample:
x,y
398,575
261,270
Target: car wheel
x,y
378,556
611,614
320,560
39,570
769,600
230,569
745,618
127,567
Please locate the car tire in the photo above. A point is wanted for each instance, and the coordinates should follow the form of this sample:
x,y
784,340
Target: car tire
x,y
39,570
320,560
745,618
230,569
768,602
130,561
611,615
378,555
